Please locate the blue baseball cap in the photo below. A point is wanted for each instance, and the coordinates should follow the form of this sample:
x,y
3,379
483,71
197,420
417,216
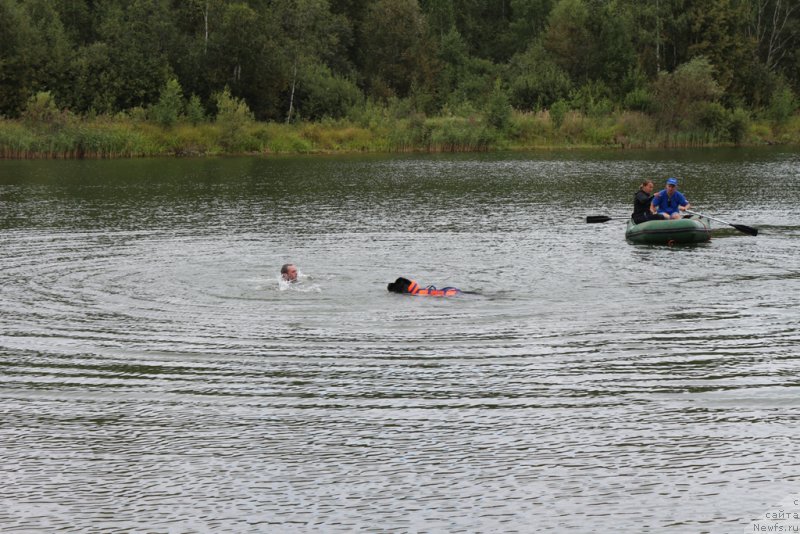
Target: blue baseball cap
x,y
672,181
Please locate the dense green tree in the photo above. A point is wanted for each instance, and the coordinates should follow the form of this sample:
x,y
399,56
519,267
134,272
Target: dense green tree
x,y
93,83
674,33
196,24
322,93
198,18
244,55
528,20
484,24
128,65
568,40
498,112
455,59
312,38
234,117
14,31
195,113
612,56
738,122
41,110
536,81
590,42
782,105
396,53
717,28
651,25
441,16
681,97
80,20
463,79
319,58
352,12
33,53
558,113
238,44
49,46
170,104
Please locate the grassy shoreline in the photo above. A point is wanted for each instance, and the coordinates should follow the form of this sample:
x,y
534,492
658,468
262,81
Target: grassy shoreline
x,y
126,137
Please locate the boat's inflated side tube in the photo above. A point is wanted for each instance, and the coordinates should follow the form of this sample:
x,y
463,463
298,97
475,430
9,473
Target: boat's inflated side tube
x,y
410,287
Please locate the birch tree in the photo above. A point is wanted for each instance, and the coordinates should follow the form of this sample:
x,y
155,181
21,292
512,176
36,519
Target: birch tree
x,y
775,27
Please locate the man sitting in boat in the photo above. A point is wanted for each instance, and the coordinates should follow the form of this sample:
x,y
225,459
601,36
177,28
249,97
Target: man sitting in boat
x,y
643,209
669,201
410,287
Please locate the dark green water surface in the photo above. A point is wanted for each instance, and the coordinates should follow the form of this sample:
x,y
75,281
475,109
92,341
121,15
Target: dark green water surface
x,y
155,374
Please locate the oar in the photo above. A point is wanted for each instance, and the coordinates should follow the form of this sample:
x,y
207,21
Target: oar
x,y
601,218
749,230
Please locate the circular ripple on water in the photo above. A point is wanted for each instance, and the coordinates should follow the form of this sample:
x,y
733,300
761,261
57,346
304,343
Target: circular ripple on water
x,y
165,376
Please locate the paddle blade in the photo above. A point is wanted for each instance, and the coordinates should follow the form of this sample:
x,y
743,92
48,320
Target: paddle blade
x,y
597,219
749,230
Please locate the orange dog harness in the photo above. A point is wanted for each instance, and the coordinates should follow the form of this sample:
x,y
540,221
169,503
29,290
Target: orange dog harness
x,y
431,291
410,287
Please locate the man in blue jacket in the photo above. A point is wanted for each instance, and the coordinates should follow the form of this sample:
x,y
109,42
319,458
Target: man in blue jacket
x,y
669,201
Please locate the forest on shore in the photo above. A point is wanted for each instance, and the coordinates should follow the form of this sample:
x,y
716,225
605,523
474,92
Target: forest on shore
x,y
125,78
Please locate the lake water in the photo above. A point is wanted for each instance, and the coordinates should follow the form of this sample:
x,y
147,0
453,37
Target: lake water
x,y
155,374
